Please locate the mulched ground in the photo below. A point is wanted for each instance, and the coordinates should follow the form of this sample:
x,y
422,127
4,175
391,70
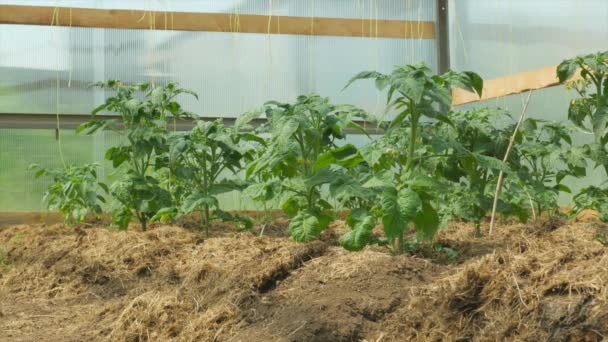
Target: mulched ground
x,y
535,282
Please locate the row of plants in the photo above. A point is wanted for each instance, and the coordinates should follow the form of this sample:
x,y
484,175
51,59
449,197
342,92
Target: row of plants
x,y
431,164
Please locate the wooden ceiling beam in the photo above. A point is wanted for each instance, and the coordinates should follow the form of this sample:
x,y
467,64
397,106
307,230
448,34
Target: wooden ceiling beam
x,y
214,22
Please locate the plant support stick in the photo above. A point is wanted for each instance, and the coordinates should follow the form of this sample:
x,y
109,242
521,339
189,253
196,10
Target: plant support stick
x,y
501,174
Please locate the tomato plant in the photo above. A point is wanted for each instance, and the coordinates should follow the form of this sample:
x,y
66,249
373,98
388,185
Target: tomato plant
x,y
547,156
470,148
145,128
201,158
301,156
75,191
408,194
589,112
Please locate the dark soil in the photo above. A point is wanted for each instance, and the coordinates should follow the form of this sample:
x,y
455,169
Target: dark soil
x,y
536,282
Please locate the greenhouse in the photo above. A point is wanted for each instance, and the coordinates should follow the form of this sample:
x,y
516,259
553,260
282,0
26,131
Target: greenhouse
x,y
303,170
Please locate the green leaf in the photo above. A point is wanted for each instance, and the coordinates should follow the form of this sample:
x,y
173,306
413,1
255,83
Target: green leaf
x,y
197,201
426,222
121,218
364,75
579,110
409,203
165,215
359,236
345,156
348,188
356,215
323,176
307,225
476,82
467,80
93,126
242,122
599,121
283,132
492,163
380,180
566,69
411,85
398,209
291,206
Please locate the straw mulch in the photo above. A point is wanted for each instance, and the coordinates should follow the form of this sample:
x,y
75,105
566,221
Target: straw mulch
x,y
537,282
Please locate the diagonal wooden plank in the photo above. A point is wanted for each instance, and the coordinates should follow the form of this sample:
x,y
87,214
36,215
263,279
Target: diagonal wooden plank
x,y
509,85
214,22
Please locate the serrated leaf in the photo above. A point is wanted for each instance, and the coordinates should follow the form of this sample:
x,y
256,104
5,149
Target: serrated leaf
x,y
398,209
359,236
323,176
197,201
346,156
391,218
307,225
363,75
426,222
492,163
121,218
566,69
409,203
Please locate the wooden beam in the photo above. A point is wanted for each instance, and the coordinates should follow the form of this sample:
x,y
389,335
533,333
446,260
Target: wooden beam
x,y
510,85
214,22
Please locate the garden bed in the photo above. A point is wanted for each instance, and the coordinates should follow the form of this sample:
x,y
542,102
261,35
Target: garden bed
x,y
538,281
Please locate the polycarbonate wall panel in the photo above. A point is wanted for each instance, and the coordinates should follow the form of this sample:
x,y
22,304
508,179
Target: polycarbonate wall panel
x,y
20,190
48,70
499,38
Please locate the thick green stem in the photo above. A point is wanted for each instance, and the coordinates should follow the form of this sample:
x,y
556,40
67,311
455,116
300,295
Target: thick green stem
x,y
142,220
412,143
206,220
398,244
478,229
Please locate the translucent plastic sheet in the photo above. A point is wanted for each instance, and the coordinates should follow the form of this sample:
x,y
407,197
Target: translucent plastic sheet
x,y
502,37
499,37
47,69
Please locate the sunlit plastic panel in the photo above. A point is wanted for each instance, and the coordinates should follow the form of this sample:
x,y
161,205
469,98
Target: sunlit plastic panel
x,y
498,38
48,69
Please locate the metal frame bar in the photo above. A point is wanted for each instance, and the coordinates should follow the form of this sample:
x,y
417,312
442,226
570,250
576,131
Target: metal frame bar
x,y
72,121
442,35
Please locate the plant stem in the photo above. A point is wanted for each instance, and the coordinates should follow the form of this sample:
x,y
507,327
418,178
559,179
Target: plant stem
x,y
412,143
478,229
398,246
207,221
142,220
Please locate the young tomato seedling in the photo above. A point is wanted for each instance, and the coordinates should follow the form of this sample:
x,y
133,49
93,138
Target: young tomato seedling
x,y
589,112
145,129
302,155
75,191
408,194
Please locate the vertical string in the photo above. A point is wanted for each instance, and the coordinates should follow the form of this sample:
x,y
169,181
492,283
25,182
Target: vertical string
x,y
377,56
310,48
55,21
153,41
269,39
460,35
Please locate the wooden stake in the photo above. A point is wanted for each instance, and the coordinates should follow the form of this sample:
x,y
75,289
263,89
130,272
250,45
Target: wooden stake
x,y
504,160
